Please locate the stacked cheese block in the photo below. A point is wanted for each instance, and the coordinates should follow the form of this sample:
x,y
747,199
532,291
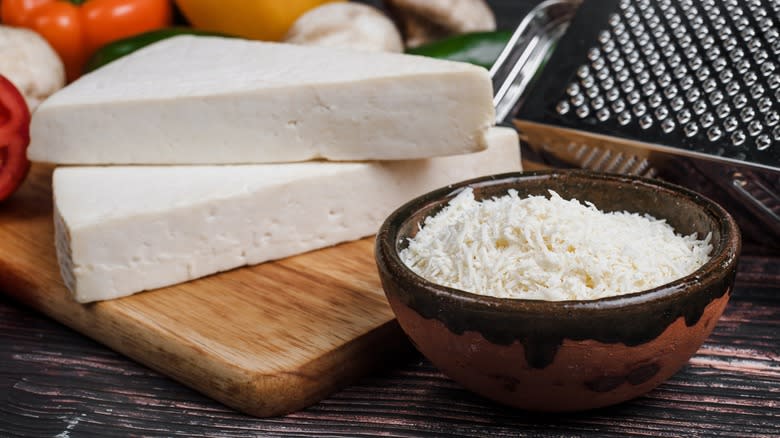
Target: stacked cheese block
x,y
200,154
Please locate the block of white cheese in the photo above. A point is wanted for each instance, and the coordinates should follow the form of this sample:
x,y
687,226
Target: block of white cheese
x,y
125,229
210,100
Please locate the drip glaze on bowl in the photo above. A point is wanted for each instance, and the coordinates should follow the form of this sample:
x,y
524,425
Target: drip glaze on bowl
x,y
564,355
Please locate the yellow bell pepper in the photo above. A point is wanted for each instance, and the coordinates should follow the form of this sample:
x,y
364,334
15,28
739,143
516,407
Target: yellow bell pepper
x,y
256,19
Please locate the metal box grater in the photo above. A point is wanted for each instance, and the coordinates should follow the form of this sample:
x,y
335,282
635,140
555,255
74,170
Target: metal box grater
x,y
687,91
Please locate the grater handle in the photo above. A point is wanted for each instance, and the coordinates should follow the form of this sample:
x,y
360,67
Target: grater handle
x,y
526,51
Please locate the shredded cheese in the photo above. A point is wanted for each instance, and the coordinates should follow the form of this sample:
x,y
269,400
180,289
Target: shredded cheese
x,y
549,249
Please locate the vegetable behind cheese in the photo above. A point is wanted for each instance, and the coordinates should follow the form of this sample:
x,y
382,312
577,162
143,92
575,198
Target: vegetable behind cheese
x,y
113,51
28,61
14,138
76,28
346,25
266,20
479,48
423,21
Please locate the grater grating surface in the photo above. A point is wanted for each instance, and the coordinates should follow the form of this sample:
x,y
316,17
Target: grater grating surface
x,y
682,90
701,77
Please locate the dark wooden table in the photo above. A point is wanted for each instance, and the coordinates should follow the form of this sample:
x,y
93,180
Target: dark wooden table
x,y
57,383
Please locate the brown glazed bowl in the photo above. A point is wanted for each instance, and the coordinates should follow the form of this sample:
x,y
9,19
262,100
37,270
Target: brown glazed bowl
x,y
564,355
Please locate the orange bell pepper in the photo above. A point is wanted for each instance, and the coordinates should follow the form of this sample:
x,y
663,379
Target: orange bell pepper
x,y
77,28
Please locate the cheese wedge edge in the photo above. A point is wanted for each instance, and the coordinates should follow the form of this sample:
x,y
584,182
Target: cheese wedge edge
x,y
123,230
211,100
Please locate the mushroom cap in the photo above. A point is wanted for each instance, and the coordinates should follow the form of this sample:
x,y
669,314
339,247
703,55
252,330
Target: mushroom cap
x,y
427,20
30,63
347,25
458,16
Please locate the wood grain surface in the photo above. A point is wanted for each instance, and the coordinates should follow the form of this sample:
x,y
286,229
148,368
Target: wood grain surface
x,y
57,383
265,340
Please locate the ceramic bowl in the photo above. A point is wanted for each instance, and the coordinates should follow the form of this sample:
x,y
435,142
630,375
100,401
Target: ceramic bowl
x,y
565,355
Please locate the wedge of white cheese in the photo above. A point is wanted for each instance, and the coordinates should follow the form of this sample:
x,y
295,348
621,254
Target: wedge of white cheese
x,y
209,100
122,230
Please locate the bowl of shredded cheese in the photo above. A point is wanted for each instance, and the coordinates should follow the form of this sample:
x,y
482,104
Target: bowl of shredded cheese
x,y
558,290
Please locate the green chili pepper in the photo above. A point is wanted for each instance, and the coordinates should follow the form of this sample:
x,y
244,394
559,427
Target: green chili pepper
x,y
120,48
480,48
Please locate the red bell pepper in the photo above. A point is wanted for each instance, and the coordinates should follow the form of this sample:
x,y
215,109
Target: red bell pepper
x,y
14,138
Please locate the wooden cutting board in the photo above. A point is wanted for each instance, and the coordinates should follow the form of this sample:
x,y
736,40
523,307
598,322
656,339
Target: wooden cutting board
x,y
265,340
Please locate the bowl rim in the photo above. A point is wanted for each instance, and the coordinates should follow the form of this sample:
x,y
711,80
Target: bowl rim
x,y
726,253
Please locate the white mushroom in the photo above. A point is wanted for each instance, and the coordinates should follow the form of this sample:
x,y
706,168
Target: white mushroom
x,y
426,20
30,63
348,25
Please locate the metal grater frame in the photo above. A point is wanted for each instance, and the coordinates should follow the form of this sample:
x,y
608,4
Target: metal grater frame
x,y
643,150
